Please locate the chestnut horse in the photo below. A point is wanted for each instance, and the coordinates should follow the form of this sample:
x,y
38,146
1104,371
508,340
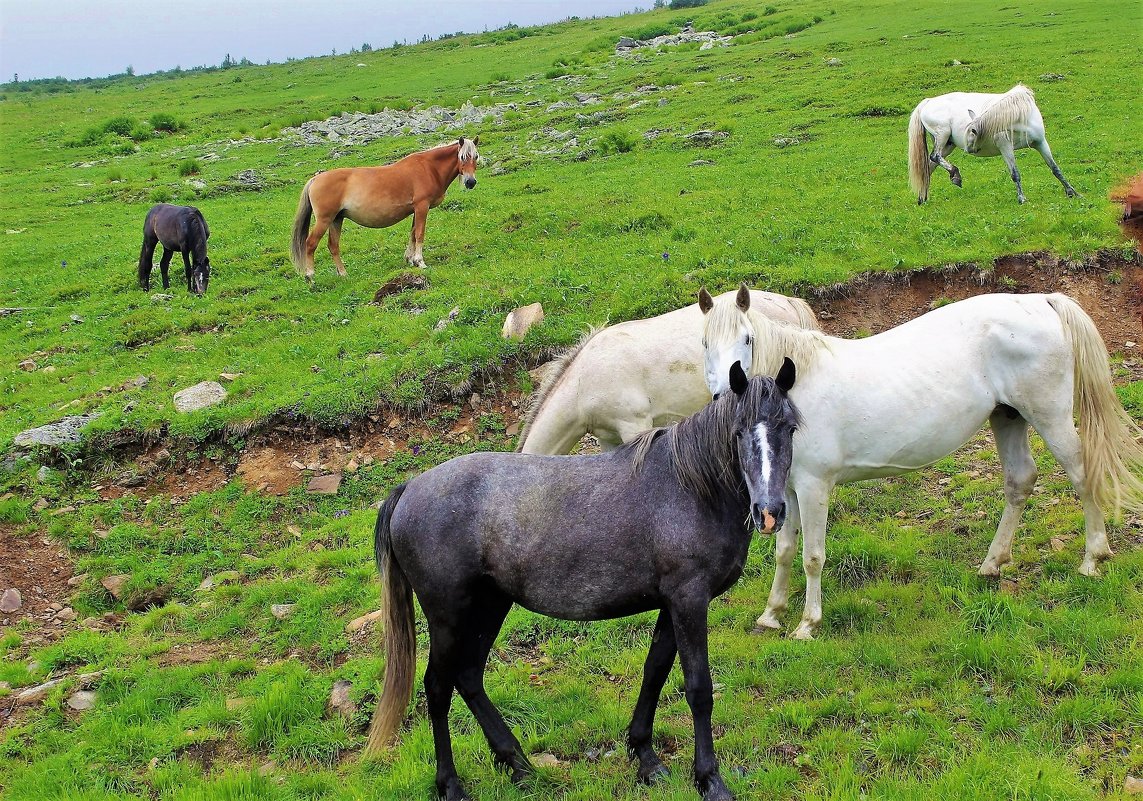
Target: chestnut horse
x,y
377,197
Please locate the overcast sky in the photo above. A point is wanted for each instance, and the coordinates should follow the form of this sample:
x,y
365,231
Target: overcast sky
x,y
94,38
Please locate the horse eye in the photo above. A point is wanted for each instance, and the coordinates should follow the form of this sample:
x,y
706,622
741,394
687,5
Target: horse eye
x,y
704,342
749,339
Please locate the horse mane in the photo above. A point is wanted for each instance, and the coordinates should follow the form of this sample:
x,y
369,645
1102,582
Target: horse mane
x,y
555,373
1007,110
773,339
702,449
464,152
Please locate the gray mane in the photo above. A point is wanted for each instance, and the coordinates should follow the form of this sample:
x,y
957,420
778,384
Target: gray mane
x,y
702,448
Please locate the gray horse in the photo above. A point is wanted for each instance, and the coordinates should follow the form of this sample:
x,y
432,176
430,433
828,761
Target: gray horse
x,y
664,522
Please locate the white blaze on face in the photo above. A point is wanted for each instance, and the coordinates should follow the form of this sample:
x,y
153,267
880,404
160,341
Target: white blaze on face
x,y
760,433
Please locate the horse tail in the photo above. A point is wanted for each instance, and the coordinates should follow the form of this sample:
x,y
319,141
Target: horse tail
x,y
805,315
400,633
918,157
146,254
556,372
301,228
1111,442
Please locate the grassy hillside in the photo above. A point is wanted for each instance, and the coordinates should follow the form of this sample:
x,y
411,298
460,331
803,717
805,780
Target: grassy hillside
x,y
926,682
807,187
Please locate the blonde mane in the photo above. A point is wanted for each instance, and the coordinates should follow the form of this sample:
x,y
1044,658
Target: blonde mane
x,y
1010,108
552,378
773,340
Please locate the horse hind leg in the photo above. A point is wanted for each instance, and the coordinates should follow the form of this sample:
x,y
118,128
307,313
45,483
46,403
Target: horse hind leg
x,y
1046,153
146,255
321,224
1011,431
164,266
440,679
479,633
334,243
660,658
941,149
1063,441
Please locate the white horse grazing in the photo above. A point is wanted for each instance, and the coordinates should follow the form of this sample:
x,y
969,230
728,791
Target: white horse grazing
x,y
627,378
981,125
903,399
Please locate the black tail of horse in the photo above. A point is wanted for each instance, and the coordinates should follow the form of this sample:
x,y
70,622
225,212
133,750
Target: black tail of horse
x,y
301,229
147,252
400,633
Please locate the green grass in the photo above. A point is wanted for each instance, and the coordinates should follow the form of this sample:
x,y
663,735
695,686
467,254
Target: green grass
x,y
807,188
927,681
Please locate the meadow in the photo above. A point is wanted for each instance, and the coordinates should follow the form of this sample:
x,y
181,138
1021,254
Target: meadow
x,y
926,680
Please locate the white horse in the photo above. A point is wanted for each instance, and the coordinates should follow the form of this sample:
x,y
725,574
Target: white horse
x,y
903,399
981,125
627,378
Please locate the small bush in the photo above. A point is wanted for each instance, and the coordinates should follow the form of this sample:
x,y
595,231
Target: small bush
x,y
141,133
119,125
161,121
617,142
189,167
161,195
13,510
674,5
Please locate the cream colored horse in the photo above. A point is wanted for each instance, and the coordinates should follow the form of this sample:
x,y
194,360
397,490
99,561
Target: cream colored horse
x,y
627,378
903,399
980,125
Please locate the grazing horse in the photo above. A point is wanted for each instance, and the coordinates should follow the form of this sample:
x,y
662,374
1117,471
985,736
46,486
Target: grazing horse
x,y
624,379
663,523
377,197
177,228
980,125
903,399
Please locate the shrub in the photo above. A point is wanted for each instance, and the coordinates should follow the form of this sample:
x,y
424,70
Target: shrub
x,y
617,142
119,125
161,121
677,4
189,167
141,133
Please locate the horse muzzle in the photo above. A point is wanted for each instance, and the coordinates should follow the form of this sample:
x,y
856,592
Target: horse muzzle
x,y
766,520
469,182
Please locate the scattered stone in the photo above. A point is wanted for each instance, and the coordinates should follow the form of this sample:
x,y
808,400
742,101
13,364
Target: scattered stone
x,y
701,163
266,769
833,62
159,297
64,432
28,366
86,681
82,700
67,614
40,505
1049,77
281,611
1132,786
339,701
521,319
512,430
201,395
357,624
361,129
141,600
33,695
1058,544
351,466
626,45
11,601
546,761
228,377
324,485
1129,343
114,584
401,283
297,465
706,138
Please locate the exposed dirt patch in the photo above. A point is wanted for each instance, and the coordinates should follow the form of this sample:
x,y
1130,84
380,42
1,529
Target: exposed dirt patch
x,y
193,653
39,569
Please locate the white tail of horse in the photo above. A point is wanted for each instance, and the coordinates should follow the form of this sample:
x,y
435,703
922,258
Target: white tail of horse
x,y
918,159
1112,443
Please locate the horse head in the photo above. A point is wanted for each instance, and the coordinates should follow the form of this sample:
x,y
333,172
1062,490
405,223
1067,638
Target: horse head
x,y
972,133
467,155
764,424
728,337
200,276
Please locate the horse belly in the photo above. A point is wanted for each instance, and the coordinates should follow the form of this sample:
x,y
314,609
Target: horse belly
x,y
375,215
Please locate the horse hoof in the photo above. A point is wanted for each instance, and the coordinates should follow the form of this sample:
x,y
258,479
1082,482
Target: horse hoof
x,y
802,632
655,773
766,624
989,571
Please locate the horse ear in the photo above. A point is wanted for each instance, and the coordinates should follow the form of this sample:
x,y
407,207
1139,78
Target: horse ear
x,y
738,379
971,114
476,139
742,299
706,302
460,142
786,375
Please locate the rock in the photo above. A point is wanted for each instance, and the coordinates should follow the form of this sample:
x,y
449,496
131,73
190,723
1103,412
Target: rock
x,y
520,320
324,485
281,611
27,365
11,601
228,377
159,297
546,761
339,701
401,283
201,395
141,600
44,473
351,466
82,700
1132,786
40,505
833,62
67,614
34,695
114,584
65,432
75,581
357,624
512,430
86,681
1058,544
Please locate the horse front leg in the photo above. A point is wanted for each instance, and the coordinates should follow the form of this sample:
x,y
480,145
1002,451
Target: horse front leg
x,y
660,658
413,254
187,269
1009,155
785,548
813,506
1046,153
689,617
164,267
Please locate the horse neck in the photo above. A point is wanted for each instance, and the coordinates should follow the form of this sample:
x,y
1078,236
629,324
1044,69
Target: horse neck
x,y
1008,110
774,341
198,225
445,163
